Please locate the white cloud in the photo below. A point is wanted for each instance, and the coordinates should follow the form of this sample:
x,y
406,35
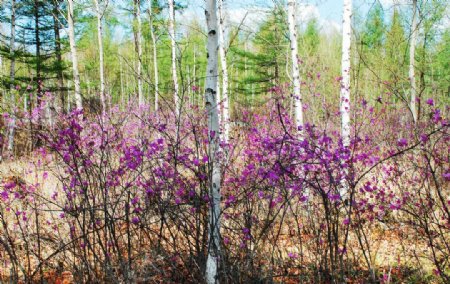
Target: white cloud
x,y
390,3
251,16
307,12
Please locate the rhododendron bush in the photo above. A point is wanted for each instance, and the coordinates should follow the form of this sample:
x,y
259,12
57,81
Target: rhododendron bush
x,y
124,197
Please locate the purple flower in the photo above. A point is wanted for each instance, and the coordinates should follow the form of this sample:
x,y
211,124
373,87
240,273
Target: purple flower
x,y
430,102
135,220
292,255
437,115
9,185
446,176
196,162
402,142
424,138
135,200
4,195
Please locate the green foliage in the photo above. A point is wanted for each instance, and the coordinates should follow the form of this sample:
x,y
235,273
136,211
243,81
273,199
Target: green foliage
x,y
257,61
37,49
263,66
396,50
374,29
310,39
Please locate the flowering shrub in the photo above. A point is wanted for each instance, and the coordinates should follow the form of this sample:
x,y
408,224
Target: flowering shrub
x,y
130,197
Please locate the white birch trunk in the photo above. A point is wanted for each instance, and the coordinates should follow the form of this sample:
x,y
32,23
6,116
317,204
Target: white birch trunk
x,y
174,56
298,107
100,53
73,52
189,82
121,82
253,96
12,74
223,58
412,75
212,263
139,51
219,108
345,69
345,84
1,57
194,75
155,57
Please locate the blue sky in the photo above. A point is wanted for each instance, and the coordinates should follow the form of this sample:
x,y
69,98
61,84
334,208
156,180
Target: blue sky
x,y
328,12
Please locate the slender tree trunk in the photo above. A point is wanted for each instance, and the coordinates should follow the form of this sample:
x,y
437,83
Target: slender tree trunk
x,y
194,75
412,49
38,50
73,52
212,263
189,82
58,54
223,58
298,107
138,43
100,53
12,75
155,56
345,84
174,56
121,82
345,69
253,96
219,107
37,31
39,99
2,92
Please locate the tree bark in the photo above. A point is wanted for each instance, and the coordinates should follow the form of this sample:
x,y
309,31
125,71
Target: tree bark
x,y
212,263
100,53
12,74
298,107
73,52
155,56
138,44
60,76
38,50
37,31
345,69
223,57
345,84
412,49
174,56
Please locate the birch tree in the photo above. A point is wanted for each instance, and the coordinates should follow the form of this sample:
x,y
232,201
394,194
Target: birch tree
x,y
12,73
99,15
58,53
155,57
138,44
345,84
412,49
73,53
298,108
212,262
223,57
174,56
1,57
